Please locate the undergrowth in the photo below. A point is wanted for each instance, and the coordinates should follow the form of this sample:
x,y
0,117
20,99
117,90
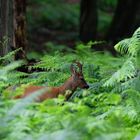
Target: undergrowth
x,y
108,110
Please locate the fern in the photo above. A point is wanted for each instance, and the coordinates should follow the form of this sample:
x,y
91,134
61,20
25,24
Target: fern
x,y
127,71
130,46
8,58
96,113
130,68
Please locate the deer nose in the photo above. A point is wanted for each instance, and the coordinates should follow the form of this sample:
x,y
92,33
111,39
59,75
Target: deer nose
x,y
86,87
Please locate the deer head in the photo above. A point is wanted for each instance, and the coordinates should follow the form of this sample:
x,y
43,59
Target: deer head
x,y
78,77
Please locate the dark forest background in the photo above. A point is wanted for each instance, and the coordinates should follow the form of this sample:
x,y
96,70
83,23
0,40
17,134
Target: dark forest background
x,y
42,23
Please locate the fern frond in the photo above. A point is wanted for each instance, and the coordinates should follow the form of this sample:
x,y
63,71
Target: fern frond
x,y
5,70
137,33
131,102
123,78
130,46
122,46
127,71
9,57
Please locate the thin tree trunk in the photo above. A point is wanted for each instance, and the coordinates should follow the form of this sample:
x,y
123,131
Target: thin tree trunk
x,y
4,11
20,28
13,27
123,22
88,20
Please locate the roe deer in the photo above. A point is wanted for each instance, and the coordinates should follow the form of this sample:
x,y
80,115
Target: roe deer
x,y
76,80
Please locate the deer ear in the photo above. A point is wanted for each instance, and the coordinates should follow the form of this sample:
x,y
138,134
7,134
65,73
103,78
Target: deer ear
x,y
72,69
79,65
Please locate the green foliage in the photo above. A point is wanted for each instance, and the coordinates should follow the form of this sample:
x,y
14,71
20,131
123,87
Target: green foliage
x,y
106,10
64,16
130,46
8,74
127,77
108,3
109,112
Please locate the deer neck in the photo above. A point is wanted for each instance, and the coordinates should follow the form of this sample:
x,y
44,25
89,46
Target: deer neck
x,y
68,85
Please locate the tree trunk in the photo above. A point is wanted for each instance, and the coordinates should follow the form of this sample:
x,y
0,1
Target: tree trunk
x,y
88,20
12,27
4,12
20,28
124,19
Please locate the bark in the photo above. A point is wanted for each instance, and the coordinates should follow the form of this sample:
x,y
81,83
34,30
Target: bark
x,y
20,28
88,20
13,27
5,37
124,19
